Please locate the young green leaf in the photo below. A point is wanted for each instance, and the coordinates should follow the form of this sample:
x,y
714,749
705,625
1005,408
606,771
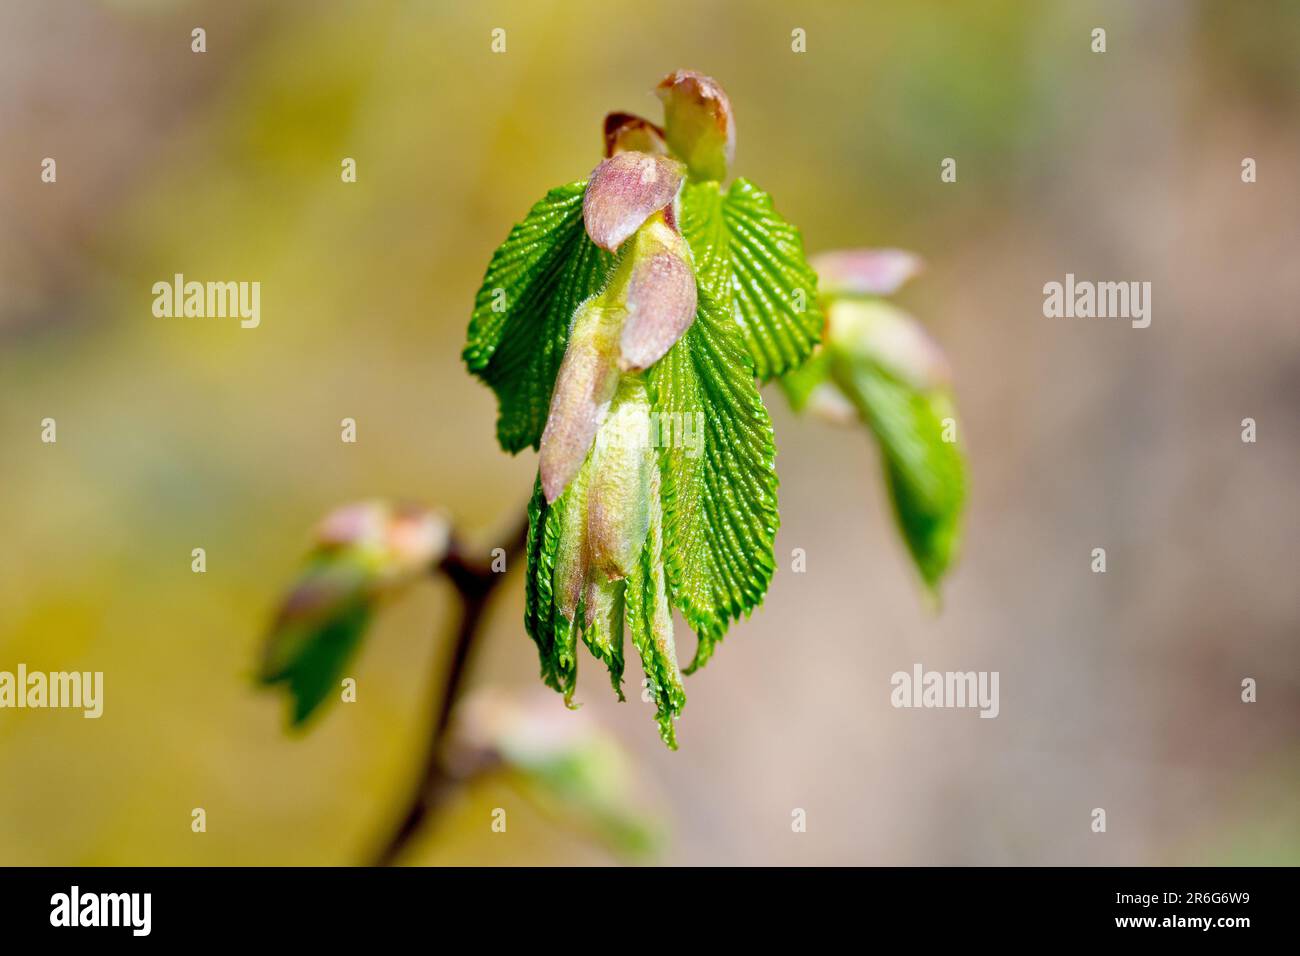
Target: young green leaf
x,y
650,621
535,282
544,617
752,260
925,474
620,535
718,476
364,554
897,379
317,634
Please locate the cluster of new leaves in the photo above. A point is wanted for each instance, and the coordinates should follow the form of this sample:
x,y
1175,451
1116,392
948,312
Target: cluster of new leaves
x,y
625,326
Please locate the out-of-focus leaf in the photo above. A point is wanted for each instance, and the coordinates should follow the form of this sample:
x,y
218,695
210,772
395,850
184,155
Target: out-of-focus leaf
x,y
364,554
565,764
878,272
898,387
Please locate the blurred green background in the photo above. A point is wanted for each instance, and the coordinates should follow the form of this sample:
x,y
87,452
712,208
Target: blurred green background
x,y
1118,690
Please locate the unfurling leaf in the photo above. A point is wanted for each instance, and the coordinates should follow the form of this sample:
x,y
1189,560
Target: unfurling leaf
x,y
719,476
364,554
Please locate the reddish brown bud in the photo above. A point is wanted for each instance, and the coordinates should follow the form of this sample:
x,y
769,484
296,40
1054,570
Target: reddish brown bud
x,y
698,123
660,308
626,132
626,190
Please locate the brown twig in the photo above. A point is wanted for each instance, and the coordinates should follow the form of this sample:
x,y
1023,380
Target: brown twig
x,y
474,581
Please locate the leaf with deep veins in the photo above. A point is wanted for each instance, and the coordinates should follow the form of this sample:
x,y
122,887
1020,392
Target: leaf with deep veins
x,y
751,259
649,619
537,279
719,484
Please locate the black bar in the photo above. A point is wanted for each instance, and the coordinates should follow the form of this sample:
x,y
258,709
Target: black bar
x,y
328,905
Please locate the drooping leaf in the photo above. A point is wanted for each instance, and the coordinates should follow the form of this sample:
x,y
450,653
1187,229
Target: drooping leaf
x,y
535,282
364,553
752,260
897,379
650,622
544,620
718,476
569,765
309,653
602,632
925,473
565,598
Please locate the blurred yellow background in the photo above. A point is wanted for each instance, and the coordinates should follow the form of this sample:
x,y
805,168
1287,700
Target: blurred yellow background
x,y
1118,690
